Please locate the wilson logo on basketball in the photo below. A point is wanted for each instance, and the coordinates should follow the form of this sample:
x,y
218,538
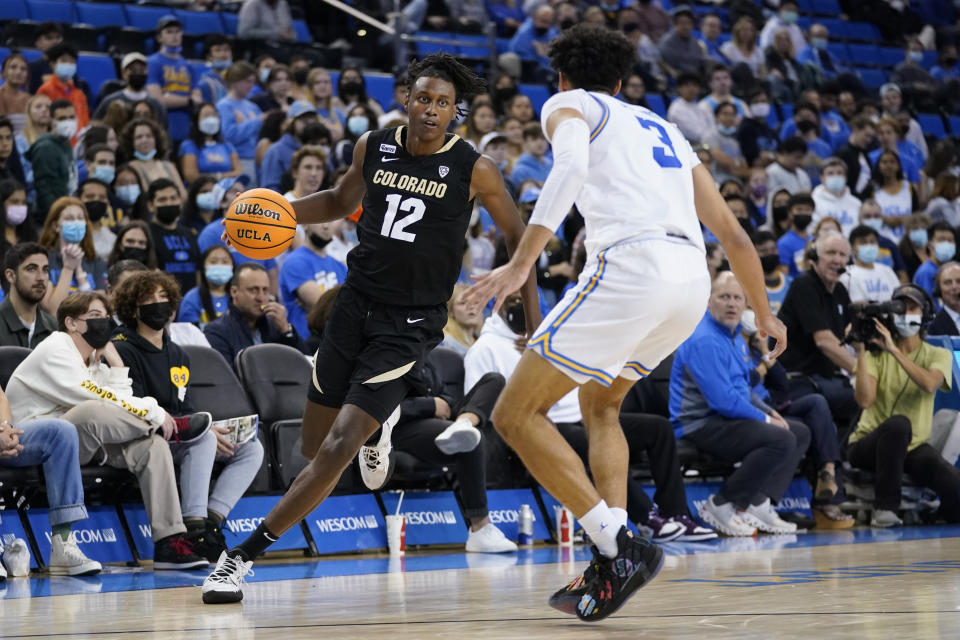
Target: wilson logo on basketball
x,y
254,209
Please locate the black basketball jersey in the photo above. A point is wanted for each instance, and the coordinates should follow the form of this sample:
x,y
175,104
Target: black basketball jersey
x,y
415,216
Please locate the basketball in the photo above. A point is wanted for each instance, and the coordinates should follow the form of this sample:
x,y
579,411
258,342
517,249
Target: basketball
x,y
260,224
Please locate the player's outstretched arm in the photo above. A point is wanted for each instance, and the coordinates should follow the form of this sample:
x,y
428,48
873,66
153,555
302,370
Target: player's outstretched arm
x,y
339,201
487,184
570,135
713,212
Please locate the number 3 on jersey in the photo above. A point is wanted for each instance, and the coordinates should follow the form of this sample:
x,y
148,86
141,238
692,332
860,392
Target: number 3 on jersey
x,y
666,157
393,228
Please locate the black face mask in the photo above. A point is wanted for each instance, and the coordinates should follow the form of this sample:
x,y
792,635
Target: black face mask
x,y
167,214
96,210
300,76
318,241
802,220
770,262
780,213
137,81
746,224
540,31
155,315
351,89
630,27
134,253
515,318
98,332
566,24
723,266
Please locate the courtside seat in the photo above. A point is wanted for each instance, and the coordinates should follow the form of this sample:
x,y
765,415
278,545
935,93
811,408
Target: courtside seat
x,y
100,14
145,18
200,22
13,10
51,10
96,69
10,359
276,378
932,125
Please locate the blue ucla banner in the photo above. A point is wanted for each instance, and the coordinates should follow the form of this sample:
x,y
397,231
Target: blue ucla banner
x,y
100,536
504,505
348,523
432,518
10,525
247,515
139,525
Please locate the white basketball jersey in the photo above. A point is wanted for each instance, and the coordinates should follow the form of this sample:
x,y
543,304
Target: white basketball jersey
x,y
640,179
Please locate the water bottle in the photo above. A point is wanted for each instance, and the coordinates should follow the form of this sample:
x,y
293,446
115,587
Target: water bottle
x,y
525,526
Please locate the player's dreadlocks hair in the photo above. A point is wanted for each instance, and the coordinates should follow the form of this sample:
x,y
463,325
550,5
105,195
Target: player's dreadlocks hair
x,y
465,82
592,58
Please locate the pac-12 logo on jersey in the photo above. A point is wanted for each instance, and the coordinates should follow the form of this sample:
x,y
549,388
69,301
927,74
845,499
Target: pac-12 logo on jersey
x,y
388,148
444,170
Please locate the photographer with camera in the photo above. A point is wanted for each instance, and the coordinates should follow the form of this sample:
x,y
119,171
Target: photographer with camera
x,y
897,381
813,312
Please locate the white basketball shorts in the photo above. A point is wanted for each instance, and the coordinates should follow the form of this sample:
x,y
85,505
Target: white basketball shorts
x,y
633,305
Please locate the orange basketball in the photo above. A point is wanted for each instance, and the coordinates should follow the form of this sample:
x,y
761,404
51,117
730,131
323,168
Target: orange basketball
x,y
260,224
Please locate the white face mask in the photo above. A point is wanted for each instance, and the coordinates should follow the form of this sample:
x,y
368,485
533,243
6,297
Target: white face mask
x,y
66,128
748,322
908,324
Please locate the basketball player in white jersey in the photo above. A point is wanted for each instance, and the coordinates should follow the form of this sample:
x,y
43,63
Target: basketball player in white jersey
x,y
642,193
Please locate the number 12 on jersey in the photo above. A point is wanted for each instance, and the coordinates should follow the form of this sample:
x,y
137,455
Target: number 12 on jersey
x,y
666,157
393,228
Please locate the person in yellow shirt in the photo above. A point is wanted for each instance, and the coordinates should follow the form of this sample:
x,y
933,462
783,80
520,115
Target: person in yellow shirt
x,y
895,387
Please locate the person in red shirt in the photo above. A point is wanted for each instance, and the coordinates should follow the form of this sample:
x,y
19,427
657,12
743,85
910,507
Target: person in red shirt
x,y
60,85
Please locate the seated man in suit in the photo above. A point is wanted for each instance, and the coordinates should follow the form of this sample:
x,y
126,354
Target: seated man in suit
x,y
947,288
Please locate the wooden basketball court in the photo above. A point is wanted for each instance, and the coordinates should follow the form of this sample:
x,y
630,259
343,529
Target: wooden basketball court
x,y
858,584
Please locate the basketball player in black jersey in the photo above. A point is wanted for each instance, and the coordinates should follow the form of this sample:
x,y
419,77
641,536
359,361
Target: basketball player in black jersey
x,y
417,184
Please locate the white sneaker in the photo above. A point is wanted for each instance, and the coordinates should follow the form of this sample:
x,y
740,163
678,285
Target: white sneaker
x,y
225,584
765,518
66,559
375,460
884,518
16,558
725,519
489,539
459,437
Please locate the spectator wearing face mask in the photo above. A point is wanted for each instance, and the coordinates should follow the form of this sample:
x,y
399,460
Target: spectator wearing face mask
x,y
947,67
205,153
301,121
54,169
176,246
209,300
93,194
531,39
60,85
74,264
775,280
785,18
833,199
867,279
787,171
757,140
855,155
133,70
941,248
792,244
889,253
910,75
134,243
307,273
725,150
170,79
219,56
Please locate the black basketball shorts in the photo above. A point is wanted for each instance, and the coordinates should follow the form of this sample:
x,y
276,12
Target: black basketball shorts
x,y
371,353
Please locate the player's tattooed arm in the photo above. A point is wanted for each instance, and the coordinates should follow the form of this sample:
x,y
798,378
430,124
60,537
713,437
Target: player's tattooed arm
x,y
487,184
339,201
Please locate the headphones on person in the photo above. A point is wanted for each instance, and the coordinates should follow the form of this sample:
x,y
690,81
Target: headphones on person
x,y
928,307
936,281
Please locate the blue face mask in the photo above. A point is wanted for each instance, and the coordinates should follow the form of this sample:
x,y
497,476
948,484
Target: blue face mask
x,y
104,174
128,193
944,250
173,51
218,274
836,184
727,131
73,231
358,125
918,237
65,70
867,253
819,43
874,223
206,201
145,156
789,17
264,75
220,65
915,56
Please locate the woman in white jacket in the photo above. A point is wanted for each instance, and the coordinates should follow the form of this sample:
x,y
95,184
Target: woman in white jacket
x,y
64,377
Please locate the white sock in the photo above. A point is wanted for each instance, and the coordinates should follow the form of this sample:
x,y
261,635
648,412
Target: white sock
x,y
600,523
620,515
461,422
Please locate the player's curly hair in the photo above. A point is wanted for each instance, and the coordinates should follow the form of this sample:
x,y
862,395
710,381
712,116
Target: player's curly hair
x,y
591,57
466,83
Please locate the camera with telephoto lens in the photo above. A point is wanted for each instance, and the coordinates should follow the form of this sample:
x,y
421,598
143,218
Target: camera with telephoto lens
x,y
862,316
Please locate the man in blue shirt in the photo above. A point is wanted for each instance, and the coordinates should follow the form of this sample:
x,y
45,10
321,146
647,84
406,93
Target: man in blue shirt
x,y
169,78
942,247
531,39
307,273
712,405
219,56
817,54
947,69
533,164
792,244
276,161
